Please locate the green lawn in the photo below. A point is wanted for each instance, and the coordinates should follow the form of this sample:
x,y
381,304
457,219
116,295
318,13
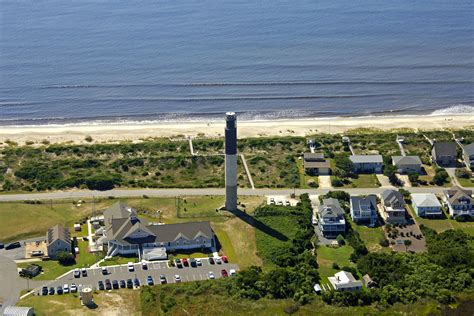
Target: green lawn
x,y
199,206
305,179
52,269
117,260
466,182
328,255
370,236
363,181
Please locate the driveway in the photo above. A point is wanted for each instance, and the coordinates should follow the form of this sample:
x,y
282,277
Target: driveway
x,y
10,282
325,182
452,173
384,182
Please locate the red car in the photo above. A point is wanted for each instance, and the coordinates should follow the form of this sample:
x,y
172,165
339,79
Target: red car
x,y
185,262
224,273
224,259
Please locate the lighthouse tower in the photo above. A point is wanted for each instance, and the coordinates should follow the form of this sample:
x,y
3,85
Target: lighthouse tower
x,y
231,161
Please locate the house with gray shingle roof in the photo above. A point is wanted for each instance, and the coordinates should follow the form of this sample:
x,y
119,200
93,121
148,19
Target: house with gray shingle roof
x,y
126,233
331,219
426,204
367,163
364,209
459,201
444,153
407,164
58,239
393,207
315,164
468,153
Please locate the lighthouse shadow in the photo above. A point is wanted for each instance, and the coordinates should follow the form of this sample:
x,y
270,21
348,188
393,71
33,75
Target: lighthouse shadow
x,y
259,225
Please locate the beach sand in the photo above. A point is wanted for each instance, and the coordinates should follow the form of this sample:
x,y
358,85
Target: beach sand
x,y
136,131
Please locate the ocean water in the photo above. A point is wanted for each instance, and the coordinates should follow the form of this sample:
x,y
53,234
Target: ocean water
x,y
79,61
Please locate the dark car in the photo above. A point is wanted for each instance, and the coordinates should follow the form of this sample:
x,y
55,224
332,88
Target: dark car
x,y
122,284
84,272
149,280
101,286
51,291
193,263
136,282
211,260
108,285
44,290
144,266
13,245
178,263
2,245
77,273
115,284
59,290
163,279
224,273
129,284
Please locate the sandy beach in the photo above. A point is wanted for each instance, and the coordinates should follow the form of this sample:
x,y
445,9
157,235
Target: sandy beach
x,y
136,131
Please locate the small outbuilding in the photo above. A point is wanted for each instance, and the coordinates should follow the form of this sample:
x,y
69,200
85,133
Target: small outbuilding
x,y
18,311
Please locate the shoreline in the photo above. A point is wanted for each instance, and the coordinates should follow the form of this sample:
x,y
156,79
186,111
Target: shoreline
x,y
134,131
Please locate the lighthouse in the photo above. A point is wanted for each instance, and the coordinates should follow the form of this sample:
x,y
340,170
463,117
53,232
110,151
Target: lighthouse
x,y
231,161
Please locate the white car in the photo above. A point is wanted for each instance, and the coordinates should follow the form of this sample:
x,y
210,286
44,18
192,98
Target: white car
x,y
198,262
73,288
232,272
131,267
66,288
211,275
177,278
218,260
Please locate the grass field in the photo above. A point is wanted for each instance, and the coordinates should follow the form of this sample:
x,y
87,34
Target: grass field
x,y
327,256
364,181
116,260
370,236
466,182
52,269
306,181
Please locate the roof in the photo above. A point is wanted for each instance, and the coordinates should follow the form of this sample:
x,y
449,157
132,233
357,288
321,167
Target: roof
x,y
58,232
469,149
425,200
17,311
313,156
360,202
406,160
344,279
317,164
456,193
366,158
392,196
330,208
445,148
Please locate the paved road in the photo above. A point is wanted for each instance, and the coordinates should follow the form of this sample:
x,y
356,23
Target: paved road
x,y
118,193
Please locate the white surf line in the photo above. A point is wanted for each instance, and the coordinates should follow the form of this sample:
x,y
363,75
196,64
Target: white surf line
x,y
247,171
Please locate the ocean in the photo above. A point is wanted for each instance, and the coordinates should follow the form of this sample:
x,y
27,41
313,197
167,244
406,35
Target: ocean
x,y
111,61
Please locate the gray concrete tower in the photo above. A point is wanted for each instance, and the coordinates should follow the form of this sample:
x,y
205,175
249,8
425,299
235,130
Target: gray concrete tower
x,y
231,161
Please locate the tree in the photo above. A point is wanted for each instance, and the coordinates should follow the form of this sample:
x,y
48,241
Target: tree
x,y
414,178
340,240
65,258
345,167
407,243
440,177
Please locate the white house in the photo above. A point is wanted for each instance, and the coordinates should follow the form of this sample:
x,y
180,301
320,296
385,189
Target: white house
x,y
459,201
367,163
426,204
345,281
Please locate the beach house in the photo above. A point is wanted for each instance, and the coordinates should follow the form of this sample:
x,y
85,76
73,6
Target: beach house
x,y
367,163
393,207
468,154
444,153
407,164
331,219
58,239
459,201
345,281
315,164
426,205
364,209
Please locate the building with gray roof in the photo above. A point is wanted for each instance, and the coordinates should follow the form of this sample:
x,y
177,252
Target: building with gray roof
x,y
468,154
367,163
407,164
444,153
316,164
58,239
459,201
426,205
331,219
393,207
364,209
126,233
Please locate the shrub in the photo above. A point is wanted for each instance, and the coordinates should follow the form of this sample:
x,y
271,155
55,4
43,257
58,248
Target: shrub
x,y
65,258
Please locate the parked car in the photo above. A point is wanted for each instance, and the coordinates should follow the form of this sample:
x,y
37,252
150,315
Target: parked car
x,y
59,290
13,245
2,245
129,284
225,259
115,284
177,278
105,271
122,284
73,288
77,273
37,253
163,279
136,282
51,291
211,275
232,272
131,267
185,262
199,262
317,289
66,288
84,272
218,260
149,280
44,290
193,263
101,285
144,266
224,273
211,260
179,265
287,203
108,284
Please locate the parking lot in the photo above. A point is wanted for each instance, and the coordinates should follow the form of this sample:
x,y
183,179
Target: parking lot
x,y
154,269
